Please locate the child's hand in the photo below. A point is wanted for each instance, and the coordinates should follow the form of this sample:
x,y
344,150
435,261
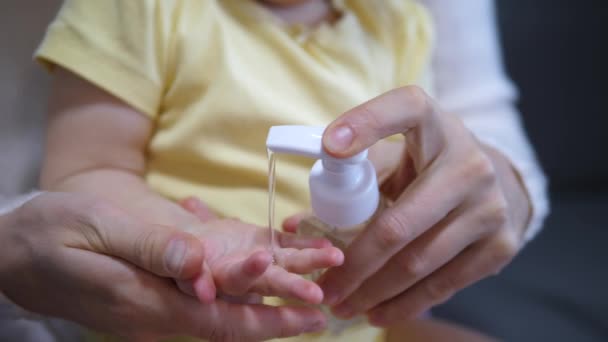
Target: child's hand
x,y
239,262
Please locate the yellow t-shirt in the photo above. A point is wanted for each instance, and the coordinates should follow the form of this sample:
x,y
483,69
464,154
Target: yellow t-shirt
x,y
215,75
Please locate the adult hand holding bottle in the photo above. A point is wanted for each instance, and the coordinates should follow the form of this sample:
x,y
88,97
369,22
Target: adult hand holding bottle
x,y
459,213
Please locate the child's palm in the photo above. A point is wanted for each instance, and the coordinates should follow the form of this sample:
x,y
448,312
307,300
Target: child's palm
x,y
238,255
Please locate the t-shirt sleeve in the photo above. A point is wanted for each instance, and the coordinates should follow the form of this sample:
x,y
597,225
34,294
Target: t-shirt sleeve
x,y
412,38
120,46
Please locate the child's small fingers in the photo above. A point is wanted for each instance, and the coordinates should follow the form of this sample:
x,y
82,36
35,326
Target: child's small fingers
x,y
256,264
307,260
201,287
278,282
238,277
199,209
291,223
204,286
288,240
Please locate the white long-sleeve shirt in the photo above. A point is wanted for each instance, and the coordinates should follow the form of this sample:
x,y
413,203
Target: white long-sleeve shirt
x,y
470,80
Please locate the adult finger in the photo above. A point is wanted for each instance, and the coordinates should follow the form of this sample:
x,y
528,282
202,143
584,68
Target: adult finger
x,y
415,262
254,322
121,298
393,229
165,251
396,111
485,258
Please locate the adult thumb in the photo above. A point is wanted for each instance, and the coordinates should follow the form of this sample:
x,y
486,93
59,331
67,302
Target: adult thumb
x,y
162,250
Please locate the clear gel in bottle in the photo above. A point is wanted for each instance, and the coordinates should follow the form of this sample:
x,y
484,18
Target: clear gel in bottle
x,y
344,191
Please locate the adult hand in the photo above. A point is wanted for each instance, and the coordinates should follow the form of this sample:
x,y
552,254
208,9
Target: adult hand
x,y
459,211
82,259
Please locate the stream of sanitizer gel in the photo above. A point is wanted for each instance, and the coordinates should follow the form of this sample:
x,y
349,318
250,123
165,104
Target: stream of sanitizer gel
x,y
271,191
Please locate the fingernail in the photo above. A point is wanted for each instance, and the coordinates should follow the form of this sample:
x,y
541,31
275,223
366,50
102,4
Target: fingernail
x,y
340,139
174,256
316,326
344,310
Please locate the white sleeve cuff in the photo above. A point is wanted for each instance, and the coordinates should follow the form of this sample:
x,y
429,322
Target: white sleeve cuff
x,y
14,203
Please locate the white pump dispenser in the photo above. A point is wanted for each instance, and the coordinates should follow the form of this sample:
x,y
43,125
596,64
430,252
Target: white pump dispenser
x,y
343,192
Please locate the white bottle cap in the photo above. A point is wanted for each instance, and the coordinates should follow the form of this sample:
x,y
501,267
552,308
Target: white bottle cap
x,y
343,192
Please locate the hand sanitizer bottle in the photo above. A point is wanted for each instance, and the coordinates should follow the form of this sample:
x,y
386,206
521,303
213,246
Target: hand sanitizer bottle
x,y
344,192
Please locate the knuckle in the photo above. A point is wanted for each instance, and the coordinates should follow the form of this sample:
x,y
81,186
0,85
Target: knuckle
x,y
87,218
391,230
144,247
439,290
495,213
412,264
503,250
416,99
369,117
480,168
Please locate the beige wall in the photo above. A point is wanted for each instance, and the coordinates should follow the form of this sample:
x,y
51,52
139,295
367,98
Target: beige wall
x,y
23,90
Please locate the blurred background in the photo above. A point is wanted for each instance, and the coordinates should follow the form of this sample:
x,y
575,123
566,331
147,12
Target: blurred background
x,y
555,50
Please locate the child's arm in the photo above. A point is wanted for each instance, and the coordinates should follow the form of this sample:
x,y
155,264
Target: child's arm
x,y
96,144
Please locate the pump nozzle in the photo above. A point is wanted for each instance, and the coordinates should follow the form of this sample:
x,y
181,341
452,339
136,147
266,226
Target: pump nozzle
x,y
304,141
343,191
299,140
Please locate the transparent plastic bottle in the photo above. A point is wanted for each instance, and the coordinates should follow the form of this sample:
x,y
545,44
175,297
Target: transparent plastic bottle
x,y
344,192
341,238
